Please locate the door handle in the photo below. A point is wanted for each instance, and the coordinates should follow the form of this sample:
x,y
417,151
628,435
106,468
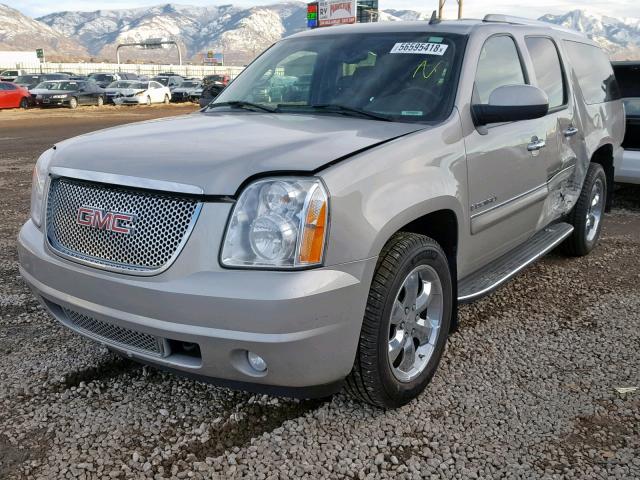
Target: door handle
x,y
536,144
570,132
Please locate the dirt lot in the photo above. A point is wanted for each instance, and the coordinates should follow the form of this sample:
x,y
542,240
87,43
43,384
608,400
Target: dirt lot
x,y
527,388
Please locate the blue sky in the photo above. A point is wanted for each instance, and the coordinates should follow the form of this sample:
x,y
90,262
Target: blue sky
x,y
473,8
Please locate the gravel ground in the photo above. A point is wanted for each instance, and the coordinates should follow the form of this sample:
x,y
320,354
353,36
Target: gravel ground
x,y
527,388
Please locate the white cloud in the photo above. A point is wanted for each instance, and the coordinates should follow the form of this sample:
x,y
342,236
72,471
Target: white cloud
x,y
473,8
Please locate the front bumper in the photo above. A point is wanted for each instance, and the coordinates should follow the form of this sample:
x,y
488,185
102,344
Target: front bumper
x,y
130,100
52,102
304,324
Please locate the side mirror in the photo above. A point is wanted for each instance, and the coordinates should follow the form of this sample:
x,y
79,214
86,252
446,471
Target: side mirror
x,y
511,103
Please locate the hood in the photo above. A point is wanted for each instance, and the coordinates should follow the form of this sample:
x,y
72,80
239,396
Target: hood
x,y
219,151
43,91
124,91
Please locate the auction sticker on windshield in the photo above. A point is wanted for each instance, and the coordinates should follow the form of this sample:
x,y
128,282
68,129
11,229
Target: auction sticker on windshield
x,y
420,48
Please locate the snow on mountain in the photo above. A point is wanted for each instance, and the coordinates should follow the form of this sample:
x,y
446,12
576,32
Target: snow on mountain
x,y
620,37
19,32
240,33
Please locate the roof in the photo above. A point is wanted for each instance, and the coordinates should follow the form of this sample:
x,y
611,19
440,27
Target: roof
x,y
462,27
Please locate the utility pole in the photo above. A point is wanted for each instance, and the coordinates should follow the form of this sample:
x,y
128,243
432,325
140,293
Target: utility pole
x,y
441,8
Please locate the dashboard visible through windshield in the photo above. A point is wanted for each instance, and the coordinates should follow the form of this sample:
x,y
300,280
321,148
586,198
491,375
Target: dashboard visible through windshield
x,y
409,76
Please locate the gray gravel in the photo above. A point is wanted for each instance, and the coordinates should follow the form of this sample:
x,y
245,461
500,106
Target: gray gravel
x,y
527,389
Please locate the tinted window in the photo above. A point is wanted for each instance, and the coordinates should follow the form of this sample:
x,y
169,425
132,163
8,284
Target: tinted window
x,y
628,77
593,72
406,76
546,64
499,65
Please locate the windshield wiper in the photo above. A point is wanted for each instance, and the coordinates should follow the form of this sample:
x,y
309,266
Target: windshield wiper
x,y
241,104
343,109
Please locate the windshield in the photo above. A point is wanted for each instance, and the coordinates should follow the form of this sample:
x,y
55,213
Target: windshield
x,y
409,76
128,84
163,80
189,84
102,77
70,86
26,79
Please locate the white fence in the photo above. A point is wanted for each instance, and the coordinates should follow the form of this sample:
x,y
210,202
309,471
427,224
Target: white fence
x,y
141,69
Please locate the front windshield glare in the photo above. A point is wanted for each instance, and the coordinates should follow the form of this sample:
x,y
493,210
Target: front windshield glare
x,y
400,76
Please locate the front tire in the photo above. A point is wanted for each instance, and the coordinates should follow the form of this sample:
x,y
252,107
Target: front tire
x,y
148,101
100,101
73,103
166,100
24,103
406,323
588,212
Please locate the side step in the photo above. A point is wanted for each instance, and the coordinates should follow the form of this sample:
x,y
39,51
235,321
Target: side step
x,y
487,279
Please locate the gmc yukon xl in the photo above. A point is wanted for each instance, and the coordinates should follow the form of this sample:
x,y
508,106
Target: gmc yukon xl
x,y
317,224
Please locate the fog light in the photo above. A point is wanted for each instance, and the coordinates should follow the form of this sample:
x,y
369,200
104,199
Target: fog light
x,y
256,362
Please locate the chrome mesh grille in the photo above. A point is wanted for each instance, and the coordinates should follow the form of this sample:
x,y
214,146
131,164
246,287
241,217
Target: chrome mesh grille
x,y
114,334
160,229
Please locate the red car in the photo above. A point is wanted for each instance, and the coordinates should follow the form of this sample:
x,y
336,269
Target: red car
x,y
14,96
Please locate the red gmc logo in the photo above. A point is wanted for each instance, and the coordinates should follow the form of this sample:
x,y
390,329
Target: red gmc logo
x,y
104,220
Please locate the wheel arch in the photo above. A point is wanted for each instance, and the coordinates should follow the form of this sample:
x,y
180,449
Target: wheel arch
x,y
441,222
604,156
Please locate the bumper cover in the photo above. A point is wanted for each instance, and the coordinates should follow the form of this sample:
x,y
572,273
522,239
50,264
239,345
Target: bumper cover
x,y
304,324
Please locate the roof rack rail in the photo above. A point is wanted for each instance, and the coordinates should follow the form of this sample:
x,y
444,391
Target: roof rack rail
x,y
499,18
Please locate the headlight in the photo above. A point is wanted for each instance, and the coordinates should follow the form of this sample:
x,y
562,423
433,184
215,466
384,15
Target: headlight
x,y
139,94
278,222
60,96
40,172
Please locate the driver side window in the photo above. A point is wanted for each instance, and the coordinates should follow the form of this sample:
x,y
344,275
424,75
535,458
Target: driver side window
x,y
499,65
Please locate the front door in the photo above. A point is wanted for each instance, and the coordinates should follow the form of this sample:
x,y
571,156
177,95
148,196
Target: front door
x,y
507,171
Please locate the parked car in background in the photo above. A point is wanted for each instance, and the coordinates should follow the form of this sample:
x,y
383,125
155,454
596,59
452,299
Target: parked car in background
x,y
628,76
134,92
11,75
104,79
207,93
170,81
219,78
68,93
184,92
14,96
32,80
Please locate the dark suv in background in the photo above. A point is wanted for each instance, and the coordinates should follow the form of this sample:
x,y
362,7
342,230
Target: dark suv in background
x,y
628,76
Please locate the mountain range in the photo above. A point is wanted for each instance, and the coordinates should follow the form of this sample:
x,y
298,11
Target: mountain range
x,y
240,33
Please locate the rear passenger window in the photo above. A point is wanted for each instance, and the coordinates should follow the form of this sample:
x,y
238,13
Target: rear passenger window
x,y
499,65
546,63
593,72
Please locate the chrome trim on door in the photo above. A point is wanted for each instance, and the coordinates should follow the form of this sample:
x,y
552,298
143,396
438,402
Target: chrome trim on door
x,y
126,181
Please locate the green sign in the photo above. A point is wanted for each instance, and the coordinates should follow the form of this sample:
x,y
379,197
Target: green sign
x,y
40,53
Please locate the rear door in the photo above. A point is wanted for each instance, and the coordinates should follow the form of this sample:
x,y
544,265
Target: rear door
x,y
560,155
507,178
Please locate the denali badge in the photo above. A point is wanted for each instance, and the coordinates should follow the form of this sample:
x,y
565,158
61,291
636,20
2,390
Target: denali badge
x,y
103,220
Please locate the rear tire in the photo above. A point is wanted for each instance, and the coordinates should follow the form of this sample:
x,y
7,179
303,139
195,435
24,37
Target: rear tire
x,y
588,213
408,313
73,103
100,101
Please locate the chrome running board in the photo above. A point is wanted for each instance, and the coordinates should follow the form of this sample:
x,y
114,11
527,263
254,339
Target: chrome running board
x,y
490,277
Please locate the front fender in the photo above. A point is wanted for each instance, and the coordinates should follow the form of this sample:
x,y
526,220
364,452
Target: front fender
x,y
375,193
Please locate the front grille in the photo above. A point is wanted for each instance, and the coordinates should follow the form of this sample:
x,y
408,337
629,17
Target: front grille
x,y
109,333
161,226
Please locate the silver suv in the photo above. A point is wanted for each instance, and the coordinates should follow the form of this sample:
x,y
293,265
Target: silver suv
x,y
317,225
